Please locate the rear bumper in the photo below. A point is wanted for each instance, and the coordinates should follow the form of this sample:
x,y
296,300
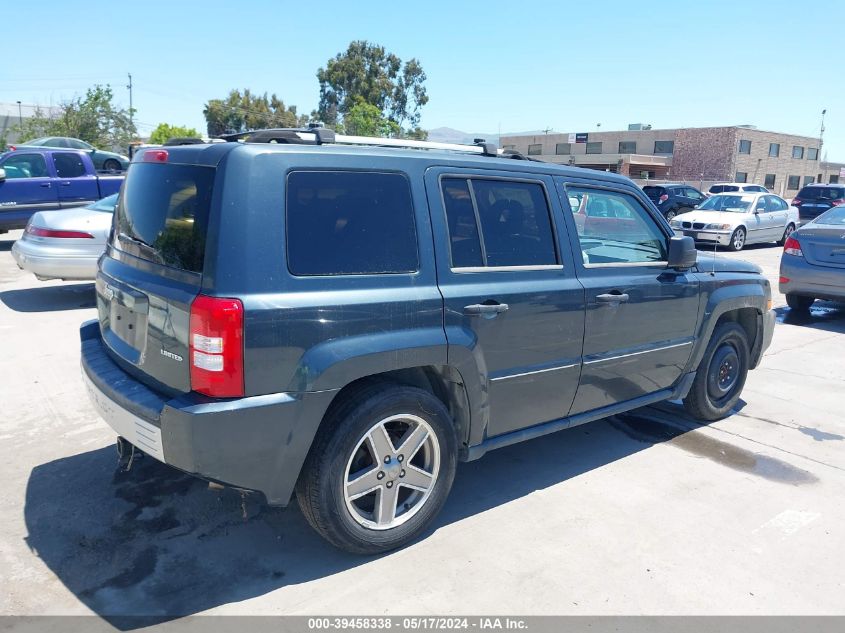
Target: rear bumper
x,y
49,265
255,443
809,280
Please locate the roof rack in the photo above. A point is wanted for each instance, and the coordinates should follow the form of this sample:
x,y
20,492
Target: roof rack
x,y
315,134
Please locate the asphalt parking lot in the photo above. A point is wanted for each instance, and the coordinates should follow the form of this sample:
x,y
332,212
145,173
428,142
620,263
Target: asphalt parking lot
x,y
644,513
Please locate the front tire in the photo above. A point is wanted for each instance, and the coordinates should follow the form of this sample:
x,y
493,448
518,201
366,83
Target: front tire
x,y
737,240
721,374
799,303
380,468
670,215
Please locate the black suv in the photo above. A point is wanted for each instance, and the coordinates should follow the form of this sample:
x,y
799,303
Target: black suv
x,y
674,199
346,322
815,199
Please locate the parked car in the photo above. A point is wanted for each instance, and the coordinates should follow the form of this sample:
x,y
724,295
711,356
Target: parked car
x,y
36,179
348,320
102,160
813,262
737,219
735,187
815,199
674,199
65,244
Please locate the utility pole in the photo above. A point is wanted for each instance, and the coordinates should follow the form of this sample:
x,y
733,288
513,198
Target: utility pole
x,y
20,114
821,133
131,111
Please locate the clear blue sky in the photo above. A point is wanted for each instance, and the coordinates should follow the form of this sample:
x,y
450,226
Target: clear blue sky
x,y
492,65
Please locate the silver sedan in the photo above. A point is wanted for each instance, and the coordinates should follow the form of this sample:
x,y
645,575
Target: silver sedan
x,y
65,244
813,262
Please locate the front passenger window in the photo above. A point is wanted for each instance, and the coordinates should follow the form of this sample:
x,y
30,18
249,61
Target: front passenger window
x,y
614,228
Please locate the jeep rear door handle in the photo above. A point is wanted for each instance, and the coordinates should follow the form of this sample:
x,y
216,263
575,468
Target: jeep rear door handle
x,y
612,297
485,308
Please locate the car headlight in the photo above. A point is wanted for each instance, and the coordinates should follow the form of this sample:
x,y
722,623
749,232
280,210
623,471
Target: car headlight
x,y
675,224
718,227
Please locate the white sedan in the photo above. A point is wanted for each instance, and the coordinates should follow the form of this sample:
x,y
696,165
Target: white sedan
x,y
65,244
737,219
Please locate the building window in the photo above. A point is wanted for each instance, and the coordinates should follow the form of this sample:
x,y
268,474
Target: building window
x,y
809,180
534,150
741,176
646,174
745,147
627,147
774,150
797,151
664,147
812,153
769,183
508,146
563,148
793,182
833,180
594,148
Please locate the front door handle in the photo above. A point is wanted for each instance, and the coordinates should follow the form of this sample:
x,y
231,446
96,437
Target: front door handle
x,y
46,185
65,183
612,297
477,309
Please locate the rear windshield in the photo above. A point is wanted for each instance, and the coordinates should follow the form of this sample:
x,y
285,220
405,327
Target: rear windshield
x,y
654,192
835,216
162,214
821,193
723,188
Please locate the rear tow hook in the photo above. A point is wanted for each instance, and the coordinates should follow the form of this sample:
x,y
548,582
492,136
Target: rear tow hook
x,y
126,454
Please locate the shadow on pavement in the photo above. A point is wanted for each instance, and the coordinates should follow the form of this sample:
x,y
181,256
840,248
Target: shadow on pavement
x,y
823,315
160,544
50,298
6,245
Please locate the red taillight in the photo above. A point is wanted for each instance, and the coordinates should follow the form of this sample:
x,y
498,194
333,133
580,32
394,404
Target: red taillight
x,y
217,347
793,247
796,202
664,198
836,203
13,147
155,156
39,232
783,280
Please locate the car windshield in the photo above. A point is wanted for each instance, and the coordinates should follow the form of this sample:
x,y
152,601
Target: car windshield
x,y
822,193
727,202
723,188
835,216
106,205
36,141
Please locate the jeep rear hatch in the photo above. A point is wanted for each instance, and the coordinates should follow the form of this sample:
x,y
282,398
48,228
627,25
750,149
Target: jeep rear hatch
x,y
150,278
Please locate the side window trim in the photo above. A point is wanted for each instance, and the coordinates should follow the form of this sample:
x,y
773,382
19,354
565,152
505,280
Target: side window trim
x,y
469,177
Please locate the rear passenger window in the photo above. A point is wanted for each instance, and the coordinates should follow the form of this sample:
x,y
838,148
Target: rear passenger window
x,y
350,223
68,165
498,223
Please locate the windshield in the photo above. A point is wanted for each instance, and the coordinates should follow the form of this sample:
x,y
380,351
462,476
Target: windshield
x,y
835,216
821,193
162,214
727,202
106,205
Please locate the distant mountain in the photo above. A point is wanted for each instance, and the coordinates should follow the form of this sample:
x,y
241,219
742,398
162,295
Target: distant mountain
x,y
451,135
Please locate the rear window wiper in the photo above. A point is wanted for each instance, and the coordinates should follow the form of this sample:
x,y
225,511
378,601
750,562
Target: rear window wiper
x,y
147,249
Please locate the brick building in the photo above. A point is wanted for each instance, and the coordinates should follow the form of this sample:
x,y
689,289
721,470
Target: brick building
x,y
781,162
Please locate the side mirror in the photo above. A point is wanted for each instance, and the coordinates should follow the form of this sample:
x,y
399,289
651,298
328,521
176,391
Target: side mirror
x,y
2,174
682,253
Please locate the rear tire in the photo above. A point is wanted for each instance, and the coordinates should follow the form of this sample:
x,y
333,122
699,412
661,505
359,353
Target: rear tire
x,y
365,502
799,303
721,374
737,240
786,233
111,164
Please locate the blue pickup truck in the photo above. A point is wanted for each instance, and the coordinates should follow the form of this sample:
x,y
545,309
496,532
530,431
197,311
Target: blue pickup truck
x,y
35,179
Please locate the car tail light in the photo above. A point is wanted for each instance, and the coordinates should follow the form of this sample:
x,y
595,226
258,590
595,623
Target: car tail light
x,y
40,232
216,346
796,202
13,147
663,198
783,280
837,202
793,247
155,156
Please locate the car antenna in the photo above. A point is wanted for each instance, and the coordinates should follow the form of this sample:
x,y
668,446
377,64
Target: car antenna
x,y
713,270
